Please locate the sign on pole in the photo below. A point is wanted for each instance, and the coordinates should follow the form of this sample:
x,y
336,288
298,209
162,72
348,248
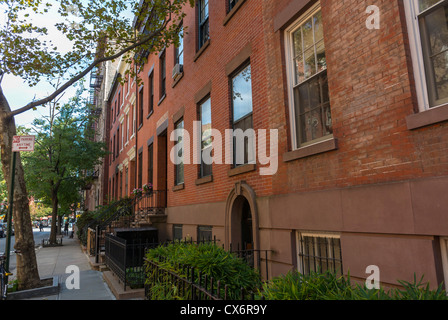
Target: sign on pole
x,y
23,143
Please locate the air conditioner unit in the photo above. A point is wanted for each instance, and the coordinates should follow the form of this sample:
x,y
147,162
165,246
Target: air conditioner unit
x,y
177,70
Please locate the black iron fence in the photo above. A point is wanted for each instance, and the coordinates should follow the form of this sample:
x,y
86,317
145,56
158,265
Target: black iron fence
x,y
189,284
257,259
125,259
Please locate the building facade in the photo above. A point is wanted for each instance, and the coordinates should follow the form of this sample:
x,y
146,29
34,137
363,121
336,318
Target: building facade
x,y
347,104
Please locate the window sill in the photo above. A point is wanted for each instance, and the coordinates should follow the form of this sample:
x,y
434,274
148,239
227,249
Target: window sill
x,y
204,180
314,149
199,53
233,11
241,169
161,99
139,126
179,187
150,114
175,82
428,117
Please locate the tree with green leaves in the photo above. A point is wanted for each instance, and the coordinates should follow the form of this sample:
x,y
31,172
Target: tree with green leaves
x,y
98,31
64,157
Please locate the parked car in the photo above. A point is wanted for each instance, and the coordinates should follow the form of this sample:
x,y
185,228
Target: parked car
x,y
5,229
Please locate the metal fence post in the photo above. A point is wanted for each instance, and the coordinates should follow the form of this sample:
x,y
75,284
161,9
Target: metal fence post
x,y
97,243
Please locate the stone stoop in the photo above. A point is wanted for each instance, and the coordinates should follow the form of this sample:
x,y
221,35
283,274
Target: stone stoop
x,y
116,287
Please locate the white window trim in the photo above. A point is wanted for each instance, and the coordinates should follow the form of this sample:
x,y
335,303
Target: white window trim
x,y
290,75
412,12
318,234
128,84
122,135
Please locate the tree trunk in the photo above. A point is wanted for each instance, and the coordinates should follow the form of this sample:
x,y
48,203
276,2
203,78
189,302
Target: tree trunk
x,y
27,272
54,216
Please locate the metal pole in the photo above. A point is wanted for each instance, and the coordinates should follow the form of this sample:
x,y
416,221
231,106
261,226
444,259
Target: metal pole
x,y
11,202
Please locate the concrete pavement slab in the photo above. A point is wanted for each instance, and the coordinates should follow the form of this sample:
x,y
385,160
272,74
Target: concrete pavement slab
x,y
62,261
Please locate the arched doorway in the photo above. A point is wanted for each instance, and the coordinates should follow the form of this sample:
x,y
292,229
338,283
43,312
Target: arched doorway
x,y
241,219
241,233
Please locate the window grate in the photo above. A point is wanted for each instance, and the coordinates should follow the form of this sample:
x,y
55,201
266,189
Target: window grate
x,y
318,253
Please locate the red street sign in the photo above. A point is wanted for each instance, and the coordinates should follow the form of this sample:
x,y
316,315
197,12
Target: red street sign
x,y
23,143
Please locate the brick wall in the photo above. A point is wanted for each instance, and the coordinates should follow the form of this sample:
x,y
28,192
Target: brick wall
x,y
371,92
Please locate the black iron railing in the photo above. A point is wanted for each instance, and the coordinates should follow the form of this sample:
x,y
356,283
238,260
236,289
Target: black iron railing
x,y
150,203
319,254
188,284
257,259
125,259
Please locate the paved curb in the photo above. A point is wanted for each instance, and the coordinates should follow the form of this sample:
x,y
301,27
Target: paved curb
x,y
37,292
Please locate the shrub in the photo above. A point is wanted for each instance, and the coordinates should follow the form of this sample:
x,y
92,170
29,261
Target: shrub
x,y
208,259
328,286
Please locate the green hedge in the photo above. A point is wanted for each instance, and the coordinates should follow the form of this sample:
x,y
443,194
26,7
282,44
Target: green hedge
x,y
209,259
222,265
328,286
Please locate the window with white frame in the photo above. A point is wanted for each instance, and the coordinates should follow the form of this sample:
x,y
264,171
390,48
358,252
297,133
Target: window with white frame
x,y
427,22
203,23
179,49
319,252
307,80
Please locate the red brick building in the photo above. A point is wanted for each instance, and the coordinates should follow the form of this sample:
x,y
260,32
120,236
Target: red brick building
x,y
362,134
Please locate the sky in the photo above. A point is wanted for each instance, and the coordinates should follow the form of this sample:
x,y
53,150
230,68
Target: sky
x,y
19,93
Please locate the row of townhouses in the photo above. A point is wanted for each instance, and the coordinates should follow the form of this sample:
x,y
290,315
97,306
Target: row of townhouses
x,y
346,165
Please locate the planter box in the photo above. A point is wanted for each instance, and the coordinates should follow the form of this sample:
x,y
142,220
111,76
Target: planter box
x,y
48,290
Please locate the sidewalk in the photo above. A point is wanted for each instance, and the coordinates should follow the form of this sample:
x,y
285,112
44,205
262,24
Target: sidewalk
x,y
53,261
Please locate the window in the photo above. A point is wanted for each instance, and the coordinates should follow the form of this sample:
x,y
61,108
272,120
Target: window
x,y
205,115
428,31
126,183
113,151
162,64
241,90
203,22
151,93
119,103
121,184
151,163
307,80
319,252
179,50
231,4
134,120
140,170
122,136
179,166
204,233
112,194
140,107
177,232
118,142
127,127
